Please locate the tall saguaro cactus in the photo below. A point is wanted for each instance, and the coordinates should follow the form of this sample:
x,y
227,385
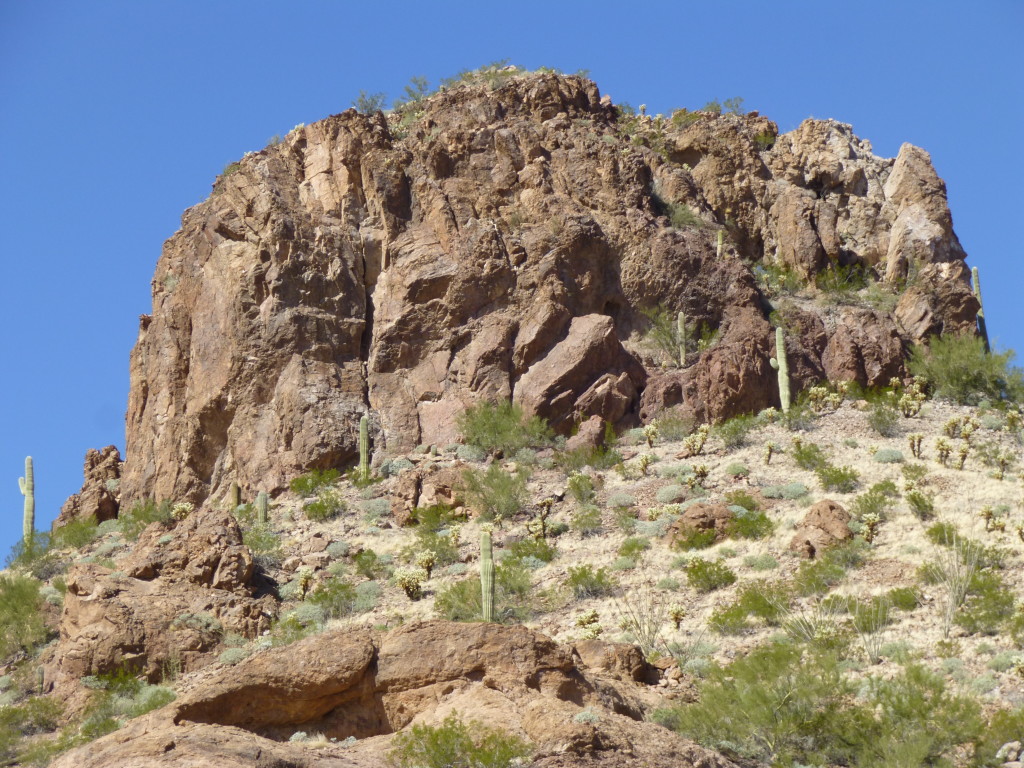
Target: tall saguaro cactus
x,y
28,490
982,328
681,337
781,364
364,448
262,504
486,576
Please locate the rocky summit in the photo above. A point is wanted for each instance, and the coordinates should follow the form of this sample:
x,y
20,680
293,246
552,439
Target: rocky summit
x,y
514,427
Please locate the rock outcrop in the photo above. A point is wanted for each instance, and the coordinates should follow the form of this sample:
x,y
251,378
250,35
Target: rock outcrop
x,y
352,683
503,245
826,523
100,496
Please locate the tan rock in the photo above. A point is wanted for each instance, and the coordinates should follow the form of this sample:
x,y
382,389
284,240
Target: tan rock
x,y
100,496
825,524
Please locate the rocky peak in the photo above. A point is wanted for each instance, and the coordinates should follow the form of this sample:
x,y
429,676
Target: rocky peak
x,y
502,243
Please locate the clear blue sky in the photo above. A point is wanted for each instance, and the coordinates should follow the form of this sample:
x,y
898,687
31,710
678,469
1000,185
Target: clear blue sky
x,y
116,116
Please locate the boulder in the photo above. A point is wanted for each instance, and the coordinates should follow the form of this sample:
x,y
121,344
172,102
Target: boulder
x,y
825,524
100,496
700,517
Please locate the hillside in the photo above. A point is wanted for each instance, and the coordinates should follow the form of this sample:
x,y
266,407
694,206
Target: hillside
x,y
687,569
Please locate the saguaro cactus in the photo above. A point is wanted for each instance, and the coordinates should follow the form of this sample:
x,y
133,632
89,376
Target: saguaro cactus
x,y
486,576
364,448
681,337
982,328
262,504
28,490
236,496
780,364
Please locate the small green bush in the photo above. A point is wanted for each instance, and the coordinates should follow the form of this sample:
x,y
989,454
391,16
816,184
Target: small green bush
x,y
502,427
694,538
327,505
747,524
959,368
791,491
141,516
903,598
670,494
734,432
708,575
75,534
335,598
808,456
942,534
21,618
463,600
585,581
633,547
884,419
455,744
921,504
763,562
742,498
877,500
310,483
495,493
762,600
586,521
889,456
531,547
839,479
988,606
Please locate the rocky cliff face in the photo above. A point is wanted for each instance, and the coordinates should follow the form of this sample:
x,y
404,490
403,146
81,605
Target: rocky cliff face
x,y
502,244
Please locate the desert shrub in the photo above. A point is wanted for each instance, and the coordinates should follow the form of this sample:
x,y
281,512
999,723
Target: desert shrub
x,y
495,493
143,514
435,533
369,564
903,598
670,494
737,470
118,697
694,538
585,581
734,432
763,562
749,524
942,534
789,491
581,487
586,521
75,534
815,577
21,619
335,598
531,547
455,744
708,575
327,505
839,479
959,368
310,483
621,500
884,419
633,547
808,456
742,498
988,605
463,600
877,500
502,427
587,456
889,456
762,600
921,504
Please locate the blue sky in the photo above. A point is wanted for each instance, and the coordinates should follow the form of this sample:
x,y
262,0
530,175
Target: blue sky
x,y
116,116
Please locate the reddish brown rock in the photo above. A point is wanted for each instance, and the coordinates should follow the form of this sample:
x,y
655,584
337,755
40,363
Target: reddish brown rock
x,y
590,435
698,518
100,495
825,524
865,348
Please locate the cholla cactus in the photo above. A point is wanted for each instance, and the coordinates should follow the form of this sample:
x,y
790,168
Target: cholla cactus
x,y
769,415
915,444
181,510
426,560
694,443
643,463
1004,459
455,534
700,474
411,581
769,450
988,515
909,402
1013,421
871,522
823,400
590,624
305,579
944,450
651,432
676,614
965,448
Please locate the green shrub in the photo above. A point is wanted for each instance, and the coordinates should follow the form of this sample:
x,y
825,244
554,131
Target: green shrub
x,y
670,494
310,483
921,504
877,500
495,494
791,491
694,538
75,534
763,562
762,600
335,598
633,547
808,456
889,456
742,498
21,618
708,575
943,534
737,470
141,516
586,521
734,432
988,606
502,427
463,600
531,547
903,598
839,479
327,505
585,581
587,456
455,744
959,368
581,487
747,524
884,419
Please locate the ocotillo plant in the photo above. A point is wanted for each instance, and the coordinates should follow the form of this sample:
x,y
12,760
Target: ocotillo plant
x,y
486,576
28,490
262,504
982,328
781,364
681,337
364,448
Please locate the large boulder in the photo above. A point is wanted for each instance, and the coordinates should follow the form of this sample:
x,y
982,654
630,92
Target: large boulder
x,y
100,497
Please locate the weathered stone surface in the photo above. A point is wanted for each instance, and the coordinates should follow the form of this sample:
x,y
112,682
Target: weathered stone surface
x,y
865,348
826,523
700,517
352,683
181,588
100,496
504,248
589,435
